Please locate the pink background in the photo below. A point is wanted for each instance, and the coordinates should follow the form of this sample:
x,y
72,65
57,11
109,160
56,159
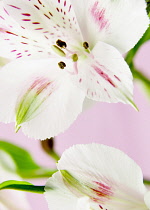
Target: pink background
x,y
116,125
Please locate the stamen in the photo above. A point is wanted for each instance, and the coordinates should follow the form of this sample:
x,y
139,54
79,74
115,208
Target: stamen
x,y
74,57
61,65
58,51
61,44
85,45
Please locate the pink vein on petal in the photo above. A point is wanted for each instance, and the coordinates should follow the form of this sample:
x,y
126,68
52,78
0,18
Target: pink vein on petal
x,y
40,84
99,16
102,193
103,75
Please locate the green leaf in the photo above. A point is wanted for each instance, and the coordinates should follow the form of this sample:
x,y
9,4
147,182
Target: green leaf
x,y
131,54
21,185
146,181
26,166
148,7
130,60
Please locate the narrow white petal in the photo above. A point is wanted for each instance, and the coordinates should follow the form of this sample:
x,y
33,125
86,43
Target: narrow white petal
x,y
105,76
118,23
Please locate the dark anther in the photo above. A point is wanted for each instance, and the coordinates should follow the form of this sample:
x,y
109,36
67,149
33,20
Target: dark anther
x,y
61,44
61,65
85,45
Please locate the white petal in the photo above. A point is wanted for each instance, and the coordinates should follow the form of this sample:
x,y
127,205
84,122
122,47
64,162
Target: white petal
x,y
58,195
105,76
9,198
56,113
39,25
147,199
116,179
118,23
83,202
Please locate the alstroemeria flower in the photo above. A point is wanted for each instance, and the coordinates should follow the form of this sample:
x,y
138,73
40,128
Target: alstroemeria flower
x,y
94,177
10,200
64,51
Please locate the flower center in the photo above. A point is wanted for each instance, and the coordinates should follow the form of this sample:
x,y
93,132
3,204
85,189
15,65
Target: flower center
x,y
62,50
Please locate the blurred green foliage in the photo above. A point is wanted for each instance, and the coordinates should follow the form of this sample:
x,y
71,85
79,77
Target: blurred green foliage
x,y
26,166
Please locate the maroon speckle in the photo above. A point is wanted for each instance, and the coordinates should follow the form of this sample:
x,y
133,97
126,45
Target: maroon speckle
x,y
39,2
69,8
38,29
47,16
26,14
9,32
36,7
117,78
19,56
35,23
14,6
2,17
26,19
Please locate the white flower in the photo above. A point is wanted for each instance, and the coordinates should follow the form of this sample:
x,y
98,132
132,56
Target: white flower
x,y
95,177
64,51
9,199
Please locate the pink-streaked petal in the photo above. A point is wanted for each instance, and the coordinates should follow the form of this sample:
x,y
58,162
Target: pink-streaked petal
x,y
61,109
15,79
105,76
118,23
115,180
41,24
53,101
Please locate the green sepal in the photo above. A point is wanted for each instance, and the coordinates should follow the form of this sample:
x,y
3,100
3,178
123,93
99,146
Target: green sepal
x,y
27,108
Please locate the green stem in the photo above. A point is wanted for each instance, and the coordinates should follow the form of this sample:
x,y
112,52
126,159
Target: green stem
x,y
130,59
27,188
139,75
131,54
147,182
22,186
49,148
54,155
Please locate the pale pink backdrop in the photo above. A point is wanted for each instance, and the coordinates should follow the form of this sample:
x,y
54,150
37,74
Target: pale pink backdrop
x,y
116,125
